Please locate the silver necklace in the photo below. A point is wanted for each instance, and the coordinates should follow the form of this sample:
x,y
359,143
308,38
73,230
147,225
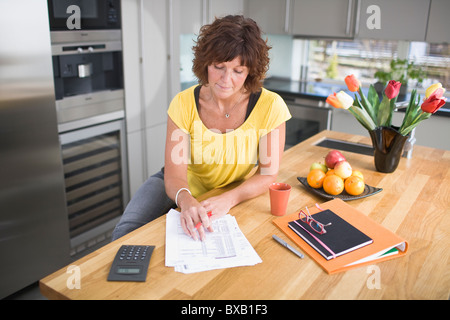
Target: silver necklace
x,y
227,115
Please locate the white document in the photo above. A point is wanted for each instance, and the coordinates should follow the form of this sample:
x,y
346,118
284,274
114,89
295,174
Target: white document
x,y
226,247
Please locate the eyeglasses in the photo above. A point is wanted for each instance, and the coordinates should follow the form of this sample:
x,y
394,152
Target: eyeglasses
x,y
314,224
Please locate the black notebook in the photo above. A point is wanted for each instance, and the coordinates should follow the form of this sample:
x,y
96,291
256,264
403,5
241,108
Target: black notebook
x,y
340,237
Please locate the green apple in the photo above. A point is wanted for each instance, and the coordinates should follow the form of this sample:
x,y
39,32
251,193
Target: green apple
x,y
320,166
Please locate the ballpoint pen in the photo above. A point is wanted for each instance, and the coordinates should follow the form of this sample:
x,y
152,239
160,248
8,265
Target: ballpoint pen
x,y
284,244
199,224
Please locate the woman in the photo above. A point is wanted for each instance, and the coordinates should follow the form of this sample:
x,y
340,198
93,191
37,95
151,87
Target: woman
x,y
217,132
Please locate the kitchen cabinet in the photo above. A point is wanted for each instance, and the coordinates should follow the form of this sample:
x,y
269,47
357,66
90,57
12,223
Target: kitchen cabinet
x,y
392,19
438,22
148,84
270,15
322,18
407,20
195,13
220,8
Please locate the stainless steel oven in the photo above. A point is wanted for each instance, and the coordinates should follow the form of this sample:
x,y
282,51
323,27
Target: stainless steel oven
x,y
309,116
96,181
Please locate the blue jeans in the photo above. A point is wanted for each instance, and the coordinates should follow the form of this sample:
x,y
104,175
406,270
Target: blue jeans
x,y
149,202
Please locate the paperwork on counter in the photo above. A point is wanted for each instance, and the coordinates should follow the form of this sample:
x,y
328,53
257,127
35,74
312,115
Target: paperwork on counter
x,y
226,247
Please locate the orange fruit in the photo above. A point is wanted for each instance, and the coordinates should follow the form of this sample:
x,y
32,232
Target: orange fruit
x,y
354,185
358,174
330,172
333,184
315,178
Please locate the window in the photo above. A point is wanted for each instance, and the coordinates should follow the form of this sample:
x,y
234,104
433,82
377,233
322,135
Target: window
x,y
435,60
330,60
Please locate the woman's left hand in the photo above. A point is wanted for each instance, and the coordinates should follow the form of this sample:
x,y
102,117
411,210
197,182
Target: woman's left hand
x,y
219,205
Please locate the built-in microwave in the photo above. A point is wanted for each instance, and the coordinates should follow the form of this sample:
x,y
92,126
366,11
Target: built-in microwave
x,y
73,15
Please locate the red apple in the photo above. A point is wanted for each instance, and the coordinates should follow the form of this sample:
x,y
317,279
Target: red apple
x,y
343,169
333,157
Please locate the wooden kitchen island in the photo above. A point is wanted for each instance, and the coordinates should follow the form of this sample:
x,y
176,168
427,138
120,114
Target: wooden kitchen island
x,y
414,204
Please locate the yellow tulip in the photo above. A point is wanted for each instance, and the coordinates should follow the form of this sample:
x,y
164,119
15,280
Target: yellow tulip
x,y
432,89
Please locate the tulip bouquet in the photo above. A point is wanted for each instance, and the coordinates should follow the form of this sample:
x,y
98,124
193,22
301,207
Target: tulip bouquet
x,y
373,113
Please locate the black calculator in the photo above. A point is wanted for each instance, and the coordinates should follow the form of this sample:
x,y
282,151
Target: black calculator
x,y
131,263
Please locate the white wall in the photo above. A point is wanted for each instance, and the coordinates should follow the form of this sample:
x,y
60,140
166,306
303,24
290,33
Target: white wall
x,y
280,55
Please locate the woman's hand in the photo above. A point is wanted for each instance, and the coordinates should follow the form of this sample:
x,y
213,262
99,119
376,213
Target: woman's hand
x,y
197,213
218,206
192,214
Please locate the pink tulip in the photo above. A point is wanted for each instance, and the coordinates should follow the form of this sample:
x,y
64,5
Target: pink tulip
x,y
392,89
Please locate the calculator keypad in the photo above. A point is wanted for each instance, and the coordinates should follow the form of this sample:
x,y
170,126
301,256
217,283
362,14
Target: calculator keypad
x,y
133,253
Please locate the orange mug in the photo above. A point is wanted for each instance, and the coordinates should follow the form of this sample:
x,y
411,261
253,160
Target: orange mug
x,y
279,196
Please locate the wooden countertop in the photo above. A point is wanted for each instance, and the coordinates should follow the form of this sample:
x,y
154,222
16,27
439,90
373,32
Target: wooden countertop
x,y
414,203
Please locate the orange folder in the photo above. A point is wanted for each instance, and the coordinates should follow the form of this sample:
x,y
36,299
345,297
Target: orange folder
x,y
380,250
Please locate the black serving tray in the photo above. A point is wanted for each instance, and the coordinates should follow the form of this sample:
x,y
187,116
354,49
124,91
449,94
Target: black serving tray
x,y
368,191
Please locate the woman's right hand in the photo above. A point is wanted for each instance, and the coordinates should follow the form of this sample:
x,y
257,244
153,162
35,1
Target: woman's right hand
x,y
193,213
175,177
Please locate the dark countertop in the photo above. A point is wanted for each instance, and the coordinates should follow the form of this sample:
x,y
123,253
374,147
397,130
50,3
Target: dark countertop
x,y
319,91
310,90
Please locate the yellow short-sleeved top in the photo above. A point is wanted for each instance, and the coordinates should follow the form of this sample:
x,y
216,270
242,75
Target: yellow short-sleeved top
x,y
217,159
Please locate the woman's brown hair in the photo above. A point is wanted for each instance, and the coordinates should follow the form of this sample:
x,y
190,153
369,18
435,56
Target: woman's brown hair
x,y
224,40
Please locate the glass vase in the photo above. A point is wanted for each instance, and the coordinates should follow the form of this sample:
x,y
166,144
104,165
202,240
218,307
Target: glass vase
x,y
388,146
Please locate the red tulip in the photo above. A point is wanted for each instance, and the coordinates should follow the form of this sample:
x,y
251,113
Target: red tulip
x,y
434,101
333,100
392,89
352,83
